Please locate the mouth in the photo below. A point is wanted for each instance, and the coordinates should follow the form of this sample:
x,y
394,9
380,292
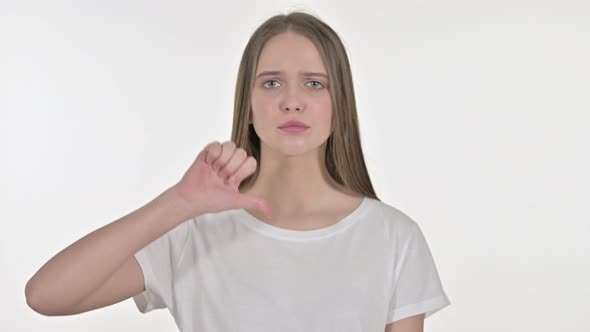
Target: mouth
x,y
293,129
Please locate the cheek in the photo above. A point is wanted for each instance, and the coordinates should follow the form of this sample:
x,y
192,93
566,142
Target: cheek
x,y
262,110
259,103
326,107
327,114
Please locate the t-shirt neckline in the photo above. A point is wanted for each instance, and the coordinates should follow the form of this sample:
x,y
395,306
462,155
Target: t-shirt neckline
x,y
290,234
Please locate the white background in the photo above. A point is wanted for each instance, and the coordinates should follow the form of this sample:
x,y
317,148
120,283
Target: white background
x,y
474,119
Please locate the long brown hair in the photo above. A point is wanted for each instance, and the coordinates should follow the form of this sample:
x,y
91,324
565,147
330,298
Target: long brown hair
x,y
344,155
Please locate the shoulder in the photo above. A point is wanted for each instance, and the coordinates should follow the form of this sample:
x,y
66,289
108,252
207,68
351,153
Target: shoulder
x,y
396,222
215,223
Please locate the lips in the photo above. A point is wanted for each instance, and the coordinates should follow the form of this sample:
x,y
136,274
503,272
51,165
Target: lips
x,y
293,129
293,123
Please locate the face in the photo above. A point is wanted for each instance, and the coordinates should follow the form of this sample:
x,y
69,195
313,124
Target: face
x,y
296,90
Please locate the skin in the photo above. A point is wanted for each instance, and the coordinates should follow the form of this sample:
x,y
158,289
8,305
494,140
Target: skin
x,y
409,324
293,177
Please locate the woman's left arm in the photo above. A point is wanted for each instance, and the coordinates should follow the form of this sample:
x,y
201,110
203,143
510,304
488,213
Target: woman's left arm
x,y
408,324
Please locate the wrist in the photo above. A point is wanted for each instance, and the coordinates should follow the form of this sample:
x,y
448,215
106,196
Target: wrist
x,y
183,206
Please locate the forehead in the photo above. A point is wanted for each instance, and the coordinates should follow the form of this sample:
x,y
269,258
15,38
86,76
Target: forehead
x,y
290,52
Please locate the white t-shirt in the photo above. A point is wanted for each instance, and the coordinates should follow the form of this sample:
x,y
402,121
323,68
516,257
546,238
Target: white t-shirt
x,y
229,271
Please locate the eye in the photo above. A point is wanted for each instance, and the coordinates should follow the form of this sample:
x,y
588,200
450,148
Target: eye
x,y
320,83
264,84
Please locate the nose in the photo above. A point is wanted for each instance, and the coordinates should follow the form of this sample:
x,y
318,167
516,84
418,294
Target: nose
x,y
292,100
294,107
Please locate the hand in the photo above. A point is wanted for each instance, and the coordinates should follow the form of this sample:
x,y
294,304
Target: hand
x,y
211,183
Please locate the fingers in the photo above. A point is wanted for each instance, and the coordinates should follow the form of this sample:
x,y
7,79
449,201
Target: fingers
x,y
230,162
203,154
256,202
245,169
227,150
213,150
235,161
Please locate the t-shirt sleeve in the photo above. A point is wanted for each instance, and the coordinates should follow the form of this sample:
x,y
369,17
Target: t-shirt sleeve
x,y
417,287
158,261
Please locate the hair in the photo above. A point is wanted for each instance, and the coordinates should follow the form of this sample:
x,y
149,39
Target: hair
x,y
344,155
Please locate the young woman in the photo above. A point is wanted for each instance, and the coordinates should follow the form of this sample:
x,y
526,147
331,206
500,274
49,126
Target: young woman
x,y
277,229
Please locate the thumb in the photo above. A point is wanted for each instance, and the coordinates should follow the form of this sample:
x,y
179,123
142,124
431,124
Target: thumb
x,y
255,202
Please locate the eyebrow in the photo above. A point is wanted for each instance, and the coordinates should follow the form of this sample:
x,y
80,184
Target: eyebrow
x,y
278,72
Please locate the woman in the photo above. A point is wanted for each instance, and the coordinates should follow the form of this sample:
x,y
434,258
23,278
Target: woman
x,y
300,243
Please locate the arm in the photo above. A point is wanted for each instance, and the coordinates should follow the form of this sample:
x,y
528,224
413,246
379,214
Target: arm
x,y
409,324
100,269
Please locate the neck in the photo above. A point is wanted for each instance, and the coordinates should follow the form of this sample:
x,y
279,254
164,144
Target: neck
x,y
295,185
